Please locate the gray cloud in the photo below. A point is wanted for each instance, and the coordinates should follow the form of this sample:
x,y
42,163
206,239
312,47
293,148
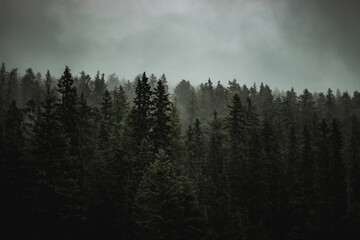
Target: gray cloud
x,y
283,43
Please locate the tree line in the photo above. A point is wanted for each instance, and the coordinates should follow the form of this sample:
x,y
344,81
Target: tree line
x,y
90,158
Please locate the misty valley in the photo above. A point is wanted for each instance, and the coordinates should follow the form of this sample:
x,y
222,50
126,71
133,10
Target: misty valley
x,y
95,157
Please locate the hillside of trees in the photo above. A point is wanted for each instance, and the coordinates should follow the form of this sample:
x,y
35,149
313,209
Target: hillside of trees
x,y
92,158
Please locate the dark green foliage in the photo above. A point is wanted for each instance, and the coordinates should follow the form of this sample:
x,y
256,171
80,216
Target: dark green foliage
x,y
219,200
165,204
30,87
83,84
68,110
15,203
120,106
142,112
51,148
161,118
98,89
220,162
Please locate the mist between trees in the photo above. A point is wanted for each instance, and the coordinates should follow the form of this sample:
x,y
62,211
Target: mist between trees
x,y
83,157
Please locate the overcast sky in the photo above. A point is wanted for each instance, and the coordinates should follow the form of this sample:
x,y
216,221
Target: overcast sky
x,y
284,43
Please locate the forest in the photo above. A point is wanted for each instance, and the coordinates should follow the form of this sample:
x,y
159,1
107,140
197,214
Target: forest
x,y
87,157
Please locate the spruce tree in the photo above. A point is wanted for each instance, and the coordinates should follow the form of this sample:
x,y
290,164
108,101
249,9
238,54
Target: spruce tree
x,y
143,107
337,171
219,199
50,148
166,206
161,118
72,194
238,165
14,178
120,106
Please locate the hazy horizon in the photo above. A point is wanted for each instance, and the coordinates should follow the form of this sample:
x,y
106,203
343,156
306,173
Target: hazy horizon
x,y
282,43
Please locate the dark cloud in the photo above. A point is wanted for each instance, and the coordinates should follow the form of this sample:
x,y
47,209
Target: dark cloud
x,y
327,26
284,43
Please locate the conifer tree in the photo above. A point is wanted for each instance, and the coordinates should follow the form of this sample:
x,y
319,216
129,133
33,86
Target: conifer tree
x,y
330,105
14,178
106,122
161,118
51,148
143,107
219,199
166,206
338,197
99,87
2,86
176,143
353,211
238,165
306,109
30,87
120,106
68,110
72,194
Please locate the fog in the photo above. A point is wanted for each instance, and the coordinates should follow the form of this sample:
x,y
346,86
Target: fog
x,y
284,43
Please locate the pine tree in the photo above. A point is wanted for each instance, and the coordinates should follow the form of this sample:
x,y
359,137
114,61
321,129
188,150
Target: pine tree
x,y
30,88
99,88
195,151
143,104
106,122
176,144
14,178
50,149
2,86
289,108
68,111
330,105
11,91
306,174
161,118
120,106
164,82
353,210
306,109
219,213
165,205
72,209
338,197
238,165
48,80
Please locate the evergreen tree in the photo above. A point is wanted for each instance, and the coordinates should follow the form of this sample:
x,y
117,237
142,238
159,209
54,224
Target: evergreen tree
x,y
12,92
330,105
161,118
106,122
338,197
353,211
164,82
99,88
68,111
143,103
14,177
166,206
72,195
51,148
83,85
2,86
30,88
120,106
219,214
238,165
306,174
306,109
